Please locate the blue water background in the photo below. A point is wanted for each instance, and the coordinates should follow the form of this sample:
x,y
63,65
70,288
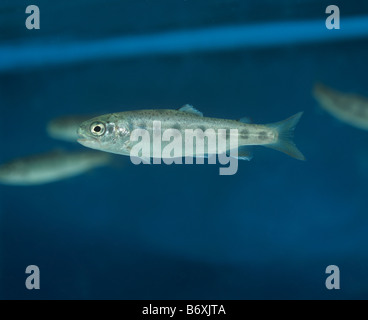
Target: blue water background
x,y
184,231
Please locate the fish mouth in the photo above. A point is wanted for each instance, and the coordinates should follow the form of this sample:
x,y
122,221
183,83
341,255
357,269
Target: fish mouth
x,y
89,143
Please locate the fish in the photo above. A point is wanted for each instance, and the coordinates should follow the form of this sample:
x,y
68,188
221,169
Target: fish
x,y
112,132
349,108
50,167
65,128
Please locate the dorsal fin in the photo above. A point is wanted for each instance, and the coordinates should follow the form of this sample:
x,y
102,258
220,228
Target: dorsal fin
x,y
245,120
190,109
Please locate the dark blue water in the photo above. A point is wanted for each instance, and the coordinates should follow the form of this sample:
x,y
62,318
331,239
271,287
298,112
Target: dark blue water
x,y
184,231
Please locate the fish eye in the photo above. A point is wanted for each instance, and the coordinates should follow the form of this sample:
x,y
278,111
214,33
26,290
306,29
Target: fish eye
x,y
97,128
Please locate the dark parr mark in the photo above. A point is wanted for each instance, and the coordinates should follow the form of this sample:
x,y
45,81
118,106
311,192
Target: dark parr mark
x,y
176,126
262,135
142,125
203,128
228,134
244,134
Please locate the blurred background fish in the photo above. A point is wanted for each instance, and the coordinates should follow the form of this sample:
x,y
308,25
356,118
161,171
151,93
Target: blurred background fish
x,y
347,107
65,127
50,167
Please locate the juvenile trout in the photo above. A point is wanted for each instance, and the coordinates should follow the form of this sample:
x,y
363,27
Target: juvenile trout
x,y
112,132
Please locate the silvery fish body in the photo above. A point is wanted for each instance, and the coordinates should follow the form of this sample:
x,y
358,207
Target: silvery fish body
x,y
349,108
66,127
112,132
50,167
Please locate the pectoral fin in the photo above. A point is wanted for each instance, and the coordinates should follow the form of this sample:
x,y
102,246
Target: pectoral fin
x,y
244,153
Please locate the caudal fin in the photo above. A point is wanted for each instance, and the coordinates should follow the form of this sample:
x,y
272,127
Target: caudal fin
x,y
285,130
